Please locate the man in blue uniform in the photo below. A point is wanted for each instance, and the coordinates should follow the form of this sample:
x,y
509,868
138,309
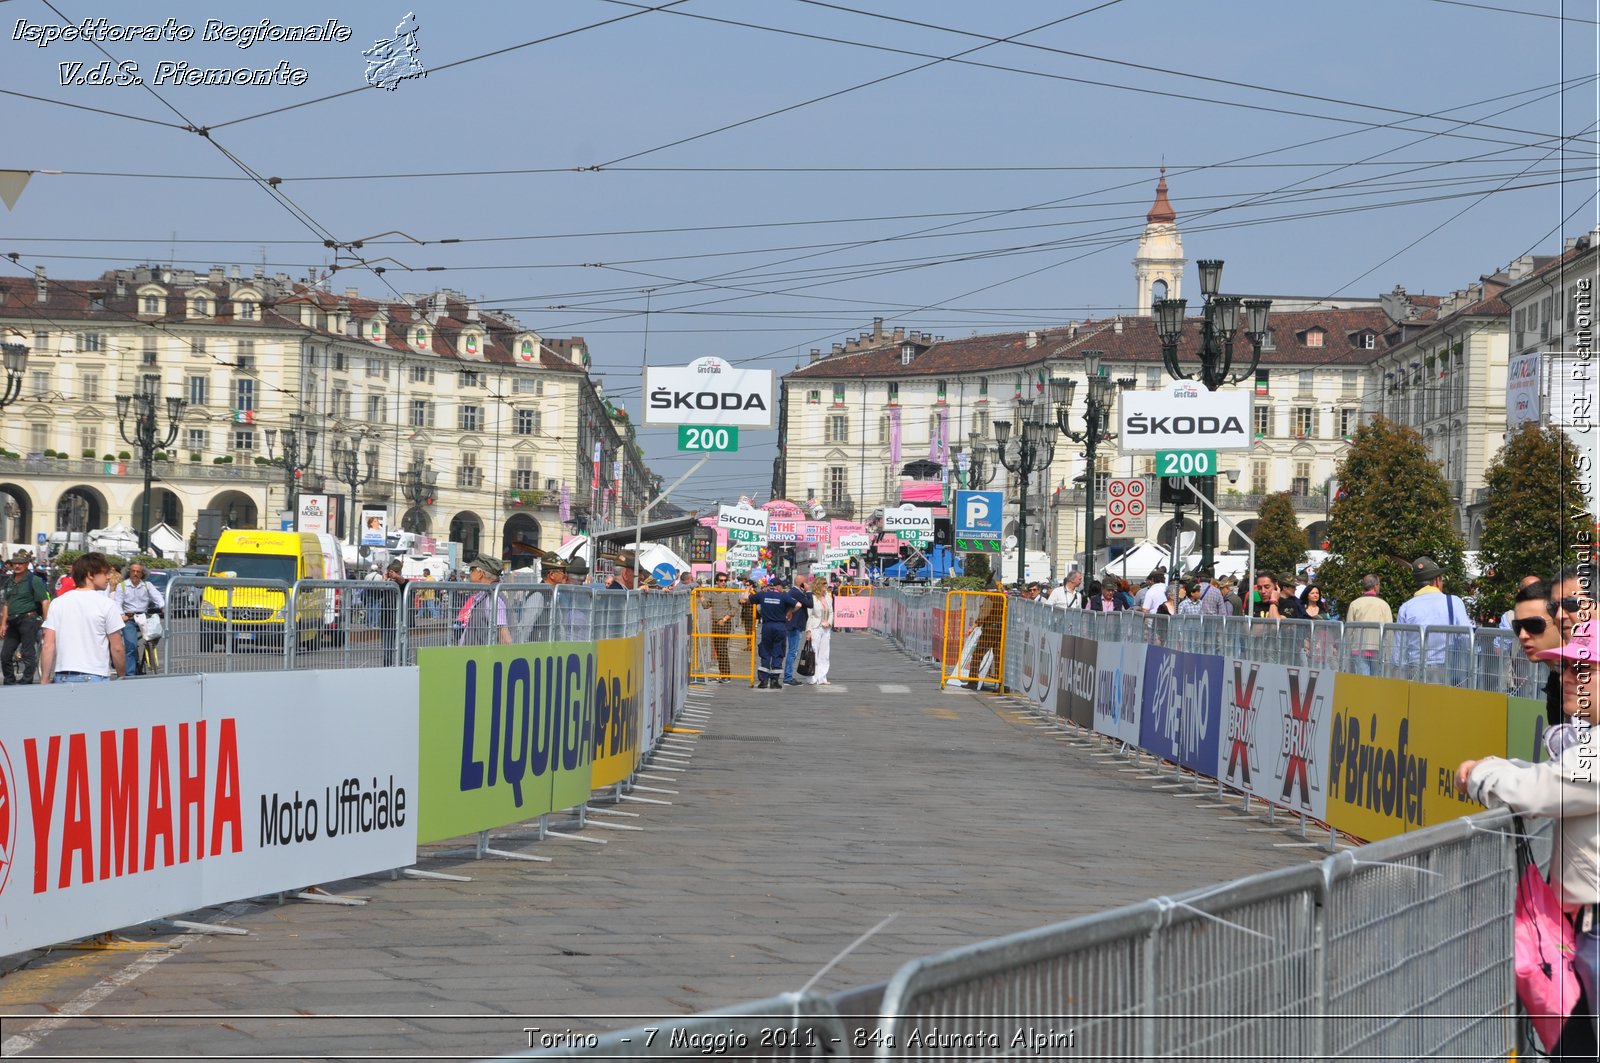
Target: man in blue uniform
x,y
774,604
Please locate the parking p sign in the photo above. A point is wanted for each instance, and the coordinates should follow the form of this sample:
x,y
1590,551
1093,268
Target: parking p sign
x,y
979,521
1125,512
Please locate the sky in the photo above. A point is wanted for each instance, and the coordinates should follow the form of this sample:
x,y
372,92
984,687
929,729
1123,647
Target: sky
x,y
755,178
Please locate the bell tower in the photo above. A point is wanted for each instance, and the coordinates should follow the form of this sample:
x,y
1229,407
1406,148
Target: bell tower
x,y
1158,265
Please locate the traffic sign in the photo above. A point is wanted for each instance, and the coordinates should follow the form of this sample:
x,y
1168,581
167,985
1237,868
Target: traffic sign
x,y
716,439
978,517
1186,463
1125,512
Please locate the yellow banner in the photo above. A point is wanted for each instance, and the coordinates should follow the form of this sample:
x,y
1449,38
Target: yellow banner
x,y
618,688
1448,726
1376,780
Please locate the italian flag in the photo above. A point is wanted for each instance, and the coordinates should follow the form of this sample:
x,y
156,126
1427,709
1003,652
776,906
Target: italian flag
x,y
244,417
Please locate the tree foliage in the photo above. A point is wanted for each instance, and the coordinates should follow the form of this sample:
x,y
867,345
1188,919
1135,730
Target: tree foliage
x,y
1534,517
1393,506
976,566
1280,541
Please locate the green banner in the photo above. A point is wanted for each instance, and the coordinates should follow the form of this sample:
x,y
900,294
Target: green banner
x,y
1525,724
506,734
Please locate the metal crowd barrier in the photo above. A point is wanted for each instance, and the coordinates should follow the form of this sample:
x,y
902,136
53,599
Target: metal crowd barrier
x,y
229,625
725,650
1397,950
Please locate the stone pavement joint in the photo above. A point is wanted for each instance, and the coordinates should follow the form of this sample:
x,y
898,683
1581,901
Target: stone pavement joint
x,y
803,818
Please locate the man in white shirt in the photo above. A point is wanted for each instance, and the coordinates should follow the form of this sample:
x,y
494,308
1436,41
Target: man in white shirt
x,y
83,633
1155,594
1070,594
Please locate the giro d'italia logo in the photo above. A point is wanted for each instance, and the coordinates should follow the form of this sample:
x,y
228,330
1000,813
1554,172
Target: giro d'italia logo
x,y
8,818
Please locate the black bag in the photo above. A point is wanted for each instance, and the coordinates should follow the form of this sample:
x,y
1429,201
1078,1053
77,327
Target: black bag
x,y
807,664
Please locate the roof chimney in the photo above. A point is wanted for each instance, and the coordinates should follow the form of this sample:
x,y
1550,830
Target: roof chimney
x,y
1032,341
815,354
216,276
41,290
1116,326
877,327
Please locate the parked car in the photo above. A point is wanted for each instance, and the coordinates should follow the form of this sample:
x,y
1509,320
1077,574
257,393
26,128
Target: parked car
x,y
187,603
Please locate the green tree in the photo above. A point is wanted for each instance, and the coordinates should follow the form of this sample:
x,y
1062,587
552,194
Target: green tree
x,y
1280,541
1534,512
976,565
1392,507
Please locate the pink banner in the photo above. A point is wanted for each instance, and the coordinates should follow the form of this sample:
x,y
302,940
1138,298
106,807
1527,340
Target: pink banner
x,y
894,437
852,610
932,491
938,444
846,527
890,545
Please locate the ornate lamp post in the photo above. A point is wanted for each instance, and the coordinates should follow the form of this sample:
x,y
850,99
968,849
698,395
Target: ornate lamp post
x,y
1031,450
347,469
293,465
1218,327
1096,422
16,362
136,420
975,464
419,484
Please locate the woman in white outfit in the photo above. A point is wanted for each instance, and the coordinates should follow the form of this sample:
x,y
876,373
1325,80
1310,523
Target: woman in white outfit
x,y
819,629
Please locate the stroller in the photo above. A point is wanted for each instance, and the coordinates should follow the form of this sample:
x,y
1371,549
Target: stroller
x,y
149,650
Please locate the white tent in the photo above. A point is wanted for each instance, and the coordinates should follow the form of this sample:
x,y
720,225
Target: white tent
x,y
1134,565
116,539
166,541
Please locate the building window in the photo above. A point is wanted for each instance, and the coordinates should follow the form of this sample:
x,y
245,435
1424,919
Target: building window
x,y
1152,378
375,408
198,439
247,309
197,345
983,389
89,342
338,361
90,385
838,428
201,309
838,394
1301,484
894,394
471,343
1304,421
39,384
883,429
467,473
1314,337
814,397
41,341
522,475
1348,419
421,413
469,378
525,386
837,481
244,439
89,442
1349,380
422,374
152,305
980,424
419,338
1263,419
940,391
469,418
1102,474
198,385
375,368
244,395
38,437
525,422
1258,477
339,400
1307,381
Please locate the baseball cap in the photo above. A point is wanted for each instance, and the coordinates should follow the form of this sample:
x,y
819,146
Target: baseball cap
x,y
1582,646
1425,570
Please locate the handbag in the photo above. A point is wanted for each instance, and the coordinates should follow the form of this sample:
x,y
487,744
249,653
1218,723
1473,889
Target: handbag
x,y
807,664
1545,948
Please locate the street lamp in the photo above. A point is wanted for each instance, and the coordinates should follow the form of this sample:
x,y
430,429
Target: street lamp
x,y
347,469
293,466
1096,421
136,420
419,484
16,361
1218,327
1031,450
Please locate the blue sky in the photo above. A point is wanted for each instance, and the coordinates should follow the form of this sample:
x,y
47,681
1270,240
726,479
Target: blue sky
x,y
975,187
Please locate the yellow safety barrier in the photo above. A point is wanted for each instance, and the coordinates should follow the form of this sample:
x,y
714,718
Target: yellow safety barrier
x,y
845,590
972,645
718,643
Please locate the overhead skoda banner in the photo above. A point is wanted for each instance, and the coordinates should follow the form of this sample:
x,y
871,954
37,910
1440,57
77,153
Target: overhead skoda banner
x,y
912,524
743,524
1184,416
708,391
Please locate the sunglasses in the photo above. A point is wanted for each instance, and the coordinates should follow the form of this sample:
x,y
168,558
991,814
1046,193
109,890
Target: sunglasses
x,y
1571,604
1533,625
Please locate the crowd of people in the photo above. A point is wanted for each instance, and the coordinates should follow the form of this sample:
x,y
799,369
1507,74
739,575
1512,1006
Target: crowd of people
x,y
79,624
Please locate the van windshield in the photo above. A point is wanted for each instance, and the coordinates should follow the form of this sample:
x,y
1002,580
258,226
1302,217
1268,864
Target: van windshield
x,y
253,566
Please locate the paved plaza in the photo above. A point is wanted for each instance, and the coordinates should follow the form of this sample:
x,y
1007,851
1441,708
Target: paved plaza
x,y
802,818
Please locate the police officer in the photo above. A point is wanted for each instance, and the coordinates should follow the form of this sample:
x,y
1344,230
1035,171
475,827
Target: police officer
x,y
774,604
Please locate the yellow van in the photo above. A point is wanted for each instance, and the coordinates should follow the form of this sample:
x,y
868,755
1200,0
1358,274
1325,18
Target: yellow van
x,y
256,613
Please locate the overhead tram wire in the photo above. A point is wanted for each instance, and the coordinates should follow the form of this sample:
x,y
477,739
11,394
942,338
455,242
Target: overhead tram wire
x,y
1515,11
956,59
934,61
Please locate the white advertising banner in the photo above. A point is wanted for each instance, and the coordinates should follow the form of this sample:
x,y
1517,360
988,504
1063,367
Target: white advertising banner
x,y
1522,389
1272,715
1184,416
121,803
708,391
913,524
1119,673
743,524
855,543
313,514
